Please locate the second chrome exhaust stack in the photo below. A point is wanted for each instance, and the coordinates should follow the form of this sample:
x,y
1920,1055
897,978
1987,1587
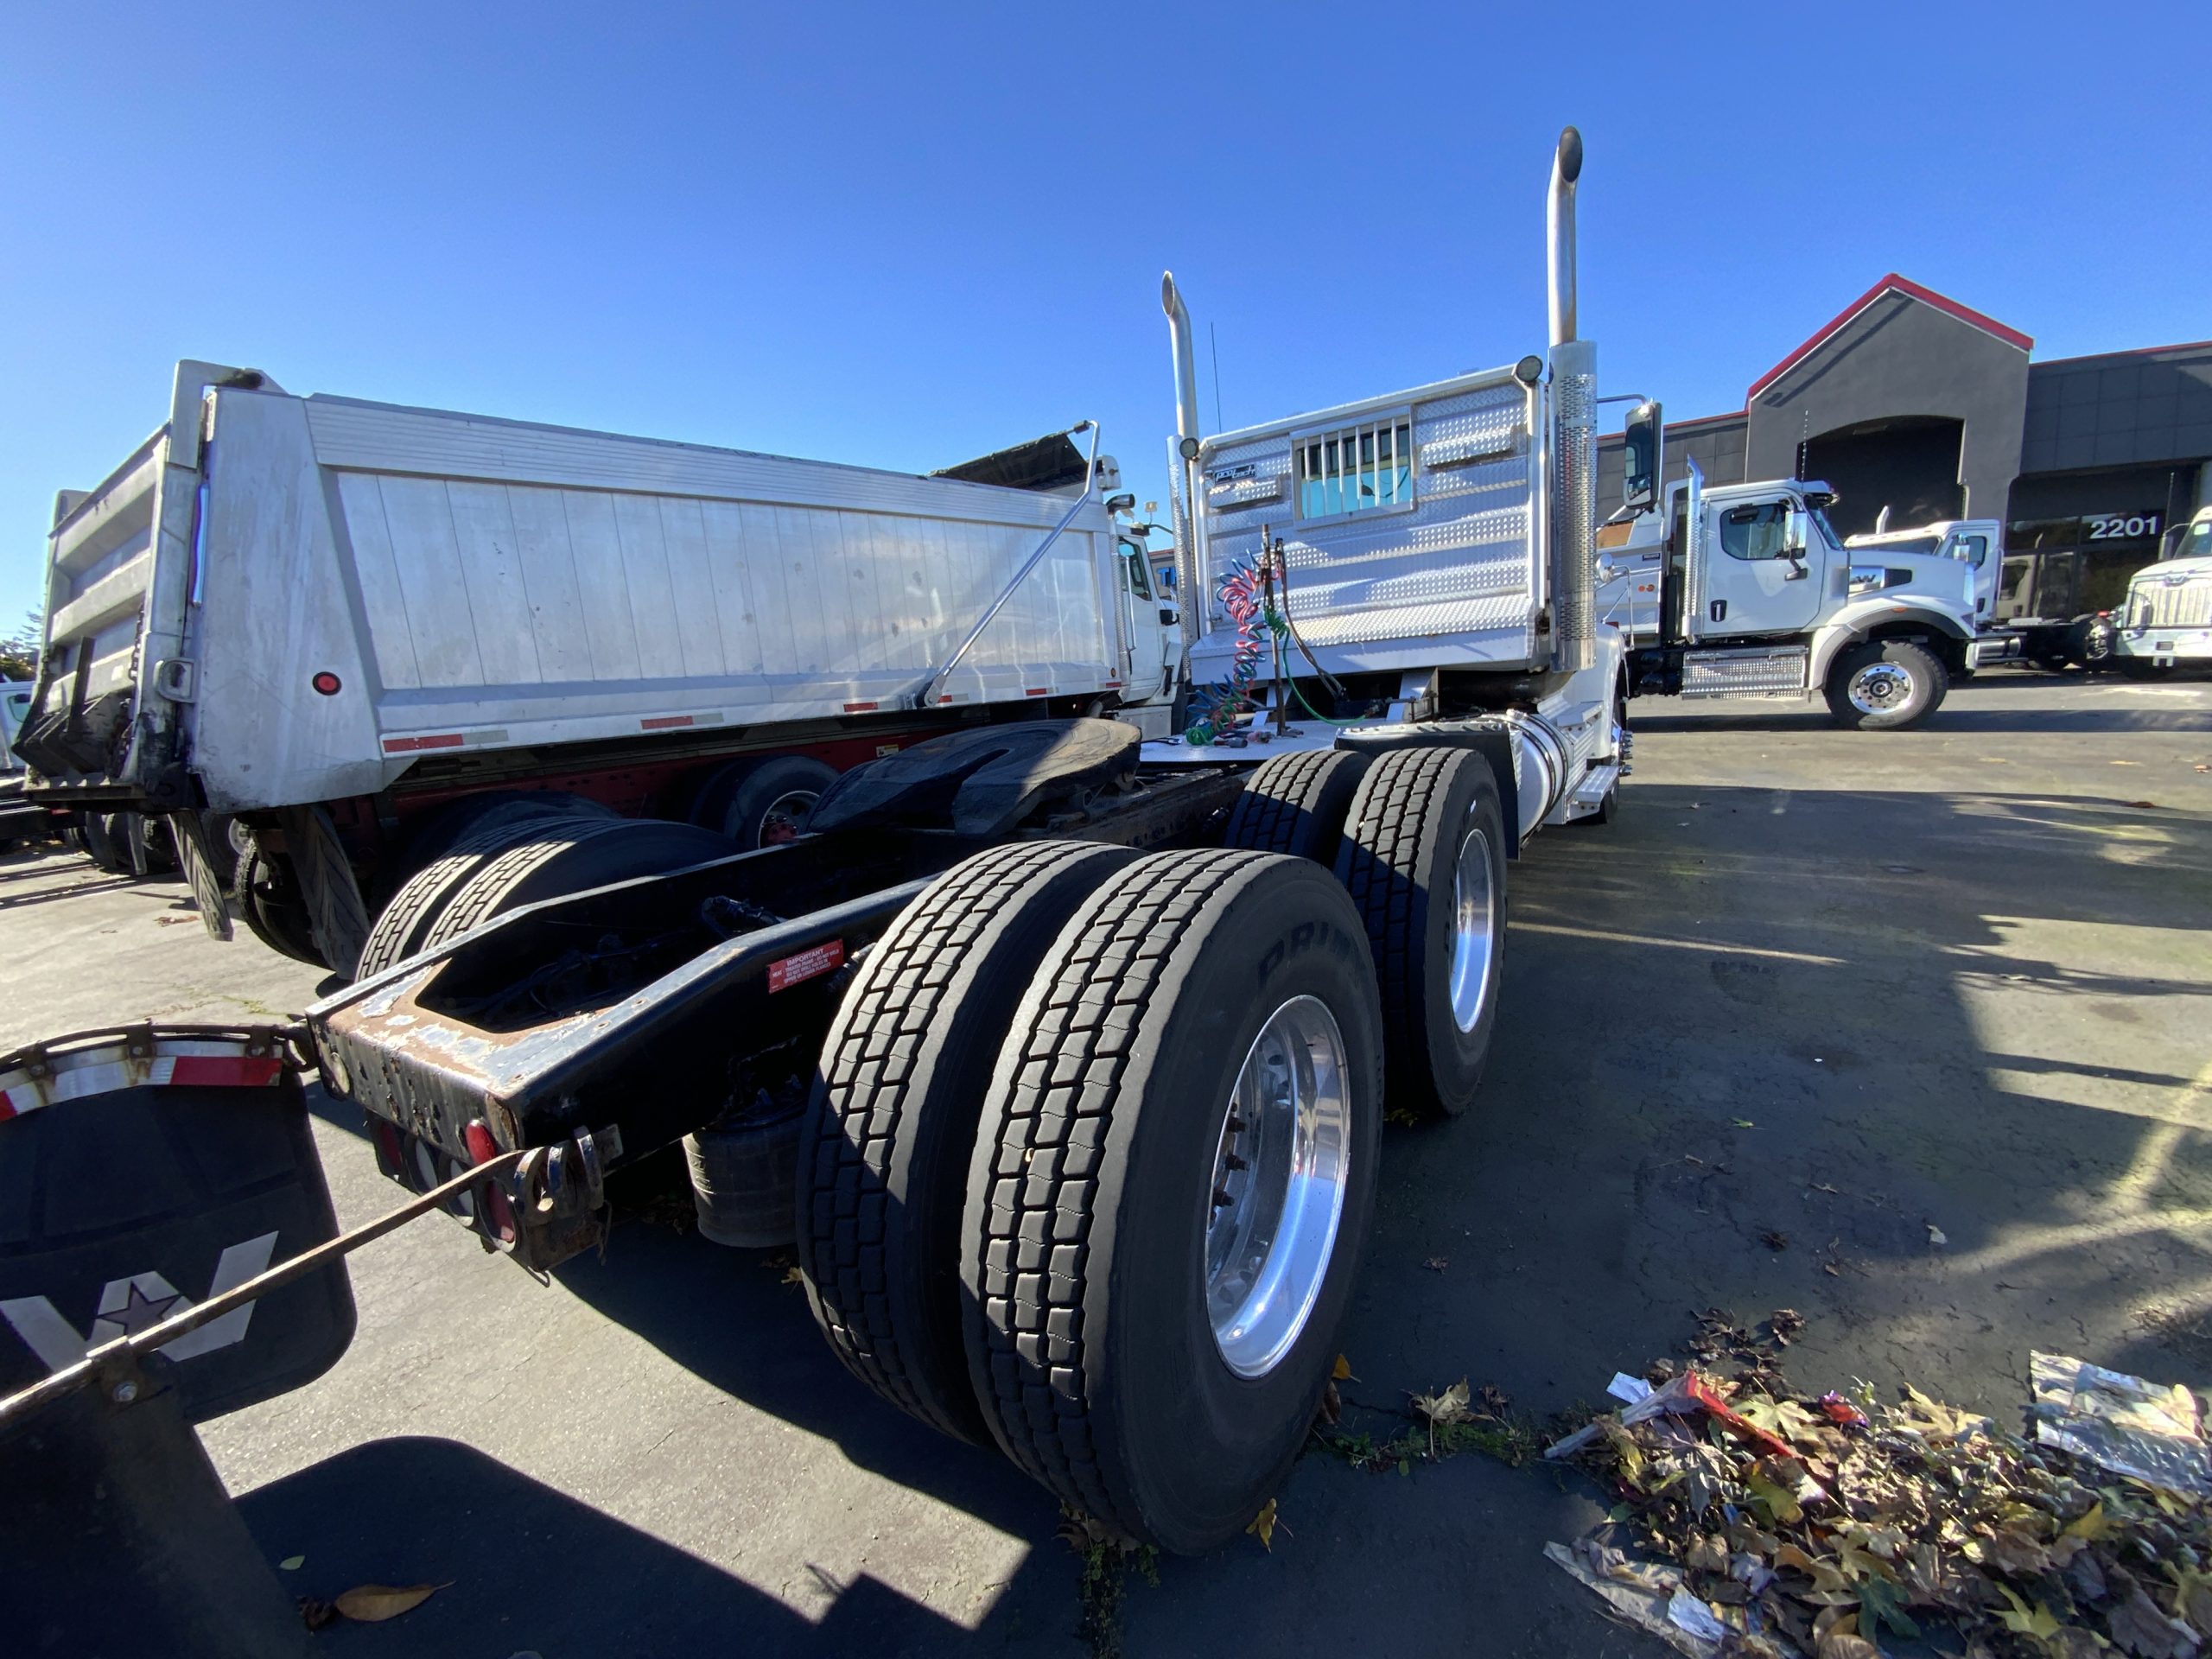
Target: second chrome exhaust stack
x,y
1575,429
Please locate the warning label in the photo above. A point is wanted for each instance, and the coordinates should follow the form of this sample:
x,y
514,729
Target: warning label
x,y
807,964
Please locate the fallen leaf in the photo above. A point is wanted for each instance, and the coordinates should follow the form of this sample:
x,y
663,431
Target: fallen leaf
x,y
2151,806
1708,1553
1446,1405
1342,1370
1437,1263
316,1614
2093,1525
1262,1525
292,1563
1779,1504
793,1276
1743,1123
1774,1240
2021,1620
1844,1644
371,1603
1332,1405
1937,1235
2138,1625
1879,1602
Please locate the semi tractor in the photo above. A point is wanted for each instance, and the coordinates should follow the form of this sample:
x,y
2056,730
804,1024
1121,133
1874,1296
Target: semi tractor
x,y
1058,1039
2166,622
1745,590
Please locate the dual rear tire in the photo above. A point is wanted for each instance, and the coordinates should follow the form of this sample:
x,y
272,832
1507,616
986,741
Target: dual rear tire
x,y
1045,1182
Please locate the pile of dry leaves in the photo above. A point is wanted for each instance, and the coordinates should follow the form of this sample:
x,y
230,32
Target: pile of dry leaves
x,y
1819,1525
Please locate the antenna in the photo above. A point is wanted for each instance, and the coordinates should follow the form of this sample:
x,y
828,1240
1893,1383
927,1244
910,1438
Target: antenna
x,y
1213,339
1804,440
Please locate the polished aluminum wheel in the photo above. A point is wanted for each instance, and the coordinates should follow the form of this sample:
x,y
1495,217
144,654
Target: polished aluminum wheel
x,y
1880,689
1281,1169
1474,920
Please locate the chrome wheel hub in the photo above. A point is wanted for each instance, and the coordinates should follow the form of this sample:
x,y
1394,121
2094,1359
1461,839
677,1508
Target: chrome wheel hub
x,y
1281,1169
786,818
1473,916
1879,688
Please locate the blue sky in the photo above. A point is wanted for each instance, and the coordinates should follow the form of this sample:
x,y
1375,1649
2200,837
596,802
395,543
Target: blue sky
x,y
903,236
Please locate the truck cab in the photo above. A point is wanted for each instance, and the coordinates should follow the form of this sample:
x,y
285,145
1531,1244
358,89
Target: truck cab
x,y
1746,590
2166,620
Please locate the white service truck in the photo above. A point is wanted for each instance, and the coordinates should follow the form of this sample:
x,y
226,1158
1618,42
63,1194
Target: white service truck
x,y
358,639
1060,1050
2166,620
1762,598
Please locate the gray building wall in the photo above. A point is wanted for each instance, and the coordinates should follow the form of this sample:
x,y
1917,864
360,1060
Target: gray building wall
x,y
1901,356
2120,409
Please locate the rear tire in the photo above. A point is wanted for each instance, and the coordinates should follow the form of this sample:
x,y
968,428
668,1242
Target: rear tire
x,y
1424,861
402,927
1296,803
267,899
890,1128
1886,685
1100,1316
575,856
760,803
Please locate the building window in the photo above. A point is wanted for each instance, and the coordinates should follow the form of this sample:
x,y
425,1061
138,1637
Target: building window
x,y
1356,469
1760,531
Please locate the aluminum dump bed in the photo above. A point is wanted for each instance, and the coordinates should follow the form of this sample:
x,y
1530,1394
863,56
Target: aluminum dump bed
x,y
296,598
1412,526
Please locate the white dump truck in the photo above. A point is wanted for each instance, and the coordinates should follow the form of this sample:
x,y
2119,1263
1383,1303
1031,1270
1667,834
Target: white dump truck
x,y
366,636
2166,620
1761,598
1059,1049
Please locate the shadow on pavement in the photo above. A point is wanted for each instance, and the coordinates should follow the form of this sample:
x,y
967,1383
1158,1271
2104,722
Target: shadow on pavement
x,y
529,1568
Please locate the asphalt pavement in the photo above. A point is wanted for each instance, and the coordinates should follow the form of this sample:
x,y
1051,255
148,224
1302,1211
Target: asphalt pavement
x,y
1911,1032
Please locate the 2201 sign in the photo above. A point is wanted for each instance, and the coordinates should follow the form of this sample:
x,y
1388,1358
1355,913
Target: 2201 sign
x,y
2120,526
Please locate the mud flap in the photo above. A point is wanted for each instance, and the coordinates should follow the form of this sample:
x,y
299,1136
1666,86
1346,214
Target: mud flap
x,y
199,870
143,1169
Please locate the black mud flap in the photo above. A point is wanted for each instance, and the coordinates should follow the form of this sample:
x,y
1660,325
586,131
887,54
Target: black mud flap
x,y
144,1169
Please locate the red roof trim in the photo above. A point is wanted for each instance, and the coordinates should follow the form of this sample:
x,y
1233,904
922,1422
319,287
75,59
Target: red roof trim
x,y
2126,351
1891,283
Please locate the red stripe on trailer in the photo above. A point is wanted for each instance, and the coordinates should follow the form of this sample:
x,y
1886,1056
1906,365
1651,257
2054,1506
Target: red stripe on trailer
x,y
409,745
663,722
807,964
1039,692
225,1070
860,707
6,1107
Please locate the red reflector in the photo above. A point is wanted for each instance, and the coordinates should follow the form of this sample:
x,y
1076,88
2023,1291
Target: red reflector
x,y
326,682
482,1148
664,722
498,1214
409,745
807,964
860,707
224,1071
1039,692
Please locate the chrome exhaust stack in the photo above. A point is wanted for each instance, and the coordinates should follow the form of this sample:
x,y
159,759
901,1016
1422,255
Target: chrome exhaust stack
x,y
1190,603
1573,437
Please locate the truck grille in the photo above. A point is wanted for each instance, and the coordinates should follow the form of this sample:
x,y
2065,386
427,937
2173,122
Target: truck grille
x,y
2161,604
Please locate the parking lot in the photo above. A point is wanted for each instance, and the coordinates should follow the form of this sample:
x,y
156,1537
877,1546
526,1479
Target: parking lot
x,y
1908,1032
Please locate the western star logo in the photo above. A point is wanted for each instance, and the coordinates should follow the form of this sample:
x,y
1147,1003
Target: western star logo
x,y
138,1303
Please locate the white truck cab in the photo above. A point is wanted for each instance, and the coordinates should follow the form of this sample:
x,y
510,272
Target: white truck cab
x,y
1746,590
2166,621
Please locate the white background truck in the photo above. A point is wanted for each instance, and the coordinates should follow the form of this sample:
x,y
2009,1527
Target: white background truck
x,y
1761,598
371,634
2166,620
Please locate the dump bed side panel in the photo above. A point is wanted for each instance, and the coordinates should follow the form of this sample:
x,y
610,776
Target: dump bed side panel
x,y
1412,526
489,584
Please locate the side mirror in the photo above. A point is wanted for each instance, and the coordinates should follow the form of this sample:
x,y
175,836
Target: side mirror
x,y
1794,529
1644,458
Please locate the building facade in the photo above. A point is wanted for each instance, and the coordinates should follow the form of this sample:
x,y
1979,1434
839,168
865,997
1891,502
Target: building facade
x,y
1914,407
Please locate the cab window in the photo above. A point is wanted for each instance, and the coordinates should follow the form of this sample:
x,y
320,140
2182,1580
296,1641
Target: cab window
x,y
1136,570
1974,550
1759,531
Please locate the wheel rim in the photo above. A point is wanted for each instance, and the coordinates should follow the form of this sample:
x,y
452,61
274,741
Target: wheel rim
x,y
1473,907
1280,1175
1880,689
786,818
